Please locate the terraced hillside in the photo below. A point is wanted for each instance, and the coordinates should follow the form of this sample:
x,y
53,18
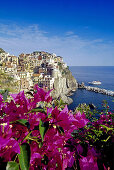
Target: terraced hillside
x,y
7,82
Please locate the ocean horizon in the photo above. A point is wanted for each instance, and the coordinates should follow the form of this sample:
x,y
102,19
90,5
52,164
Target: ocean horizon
x,y
86,74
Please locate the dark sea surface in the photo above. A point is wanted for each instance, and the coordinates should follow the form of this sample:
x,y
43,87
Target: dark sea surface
x,y
86,74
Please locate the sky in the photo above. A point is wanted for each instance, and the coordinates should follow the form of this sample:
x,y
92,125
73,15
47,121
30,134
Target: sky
x,y
81,31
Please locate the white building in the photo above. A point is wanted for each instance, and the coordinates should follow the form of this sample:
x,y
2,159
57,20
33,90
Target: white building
x,y
48,82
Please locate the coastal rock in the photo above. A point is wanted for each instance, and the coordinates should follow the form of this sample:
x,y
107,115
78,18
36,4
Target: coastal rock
x,y
66,99
81,86
92,106
63,85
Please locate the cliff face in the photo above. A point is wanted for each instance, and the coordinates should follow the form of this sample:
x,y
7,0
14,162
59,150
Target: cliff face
x,y
64,84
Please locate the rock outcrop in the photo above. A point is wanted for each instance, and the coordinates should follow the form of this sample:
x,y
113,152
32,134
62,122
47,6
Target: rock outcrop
x,y
64,85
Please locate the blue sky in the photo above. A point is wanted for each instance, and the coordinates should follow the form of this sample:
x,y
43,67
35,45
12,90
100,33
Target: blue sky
x,y
82,31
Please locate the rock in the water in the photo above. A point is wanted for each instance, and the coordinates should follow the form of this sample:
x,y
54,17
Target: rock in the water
x,y
92,106
66,99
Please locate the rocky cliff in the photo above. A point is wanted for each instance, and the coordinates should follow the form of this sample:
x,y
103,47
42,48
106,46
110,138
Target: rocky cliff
x,y
64,85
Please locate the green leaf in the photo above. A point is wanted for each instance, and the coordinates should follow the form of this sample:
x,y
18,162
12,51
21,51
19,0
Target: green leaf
x,y
38,109
43,127
105,140
40,144
107,128
22,121
12,166
24,156
61,103
60,129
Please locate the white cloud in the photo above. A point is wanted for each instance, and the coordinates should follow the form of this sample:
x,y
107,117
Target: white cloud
x,y
75,50
69,33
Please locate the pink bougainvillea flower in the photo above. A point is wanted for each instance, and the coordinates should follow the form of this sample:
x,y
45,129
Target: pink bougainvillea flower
x,y
1,102
51,144
80,120
55,162
1,98
54,140
36,157
41,94
25,104
5,130
68,159
8,148
34,120
11,111
87,163
35,161
49,111
8,145
79,149
90,161
49,136
55,112
63,119
19,98
19,131
92,152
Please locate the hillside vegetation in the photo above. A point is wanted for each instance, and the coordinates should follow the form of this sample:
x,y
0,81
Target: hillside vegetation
x,y
1,50
7,82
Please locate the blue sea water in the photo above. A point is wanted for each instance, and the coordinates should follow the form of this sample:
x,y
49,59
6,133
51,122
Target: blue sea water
x,y
86,74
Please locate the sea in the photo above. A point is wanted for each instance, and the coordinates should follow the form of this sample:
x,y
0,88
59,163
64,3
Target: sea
x,y
86,74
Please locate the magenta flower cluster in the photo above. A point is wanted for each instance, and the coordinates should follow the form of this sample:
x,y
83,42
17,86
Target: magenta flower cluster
x,y
47,129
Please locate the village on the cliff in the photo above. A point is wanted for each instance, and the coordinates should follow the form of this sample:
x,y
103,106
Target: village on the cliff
x,y
27,69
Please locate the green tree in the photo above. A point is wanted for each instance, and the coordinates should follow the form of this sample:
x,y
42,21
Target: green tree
x,y
1,50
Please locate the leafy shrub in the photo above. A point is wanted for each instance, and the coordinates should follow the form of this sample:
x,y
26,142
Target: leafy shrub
x,y
39,133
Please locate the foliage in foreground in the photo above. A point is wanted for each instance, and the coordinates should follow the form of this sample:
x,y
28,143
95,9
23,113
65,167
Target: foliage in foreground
x,y
38,133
